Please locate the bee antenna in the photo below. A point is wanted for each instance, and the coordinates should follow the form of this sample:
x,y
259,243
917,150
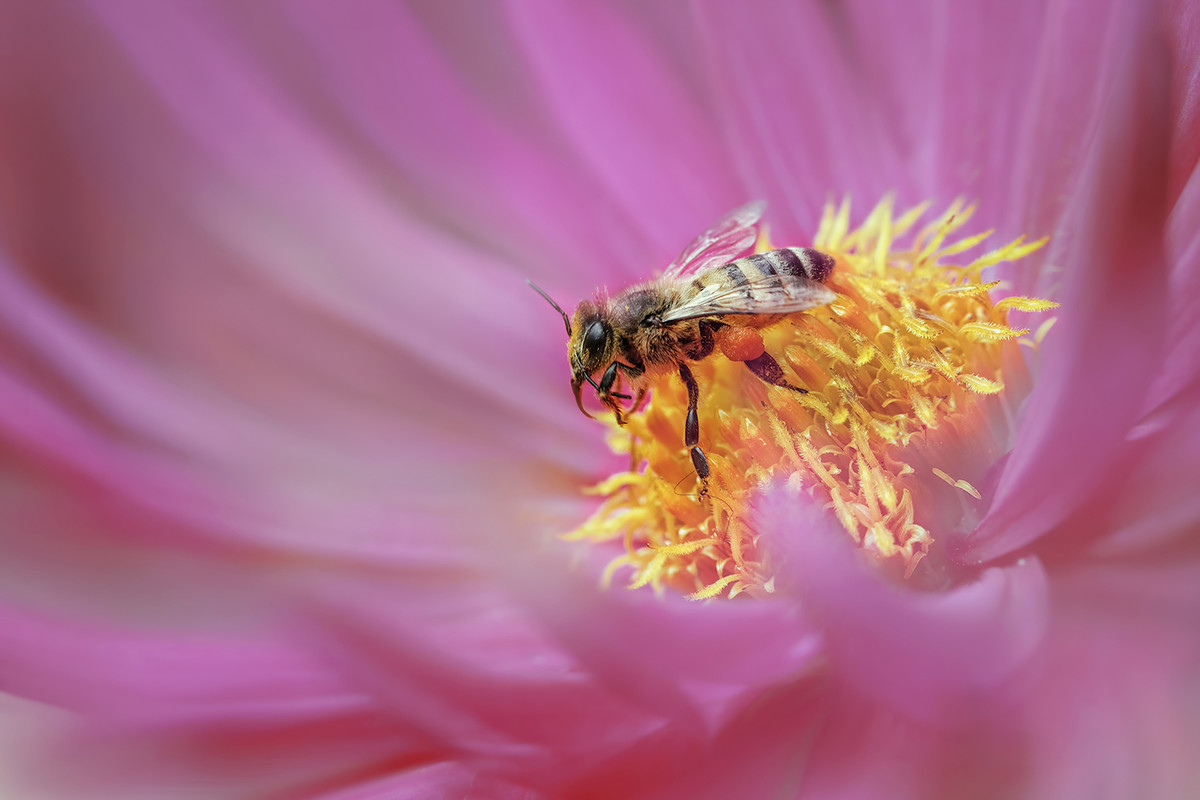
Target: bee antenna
x,y
539,290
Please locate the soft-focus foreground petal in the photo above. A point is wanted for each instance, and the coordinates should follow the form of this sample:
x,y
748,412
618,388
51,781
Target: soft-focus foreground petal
x,y
561,684
235,716
1112,708
942,649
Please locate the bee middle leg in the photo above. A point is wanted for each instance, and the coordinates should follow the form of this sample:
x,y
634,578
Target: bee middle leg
x,y
691,428
768,370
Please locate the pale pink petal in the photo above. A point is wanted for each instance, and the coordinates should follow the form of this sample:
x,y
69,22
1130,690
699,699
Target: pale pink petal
x,y
499,679
342,378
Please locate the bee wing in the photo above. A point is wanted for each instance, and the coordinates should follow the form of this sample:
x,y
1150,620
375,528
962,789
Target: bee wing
x,y
768,294
731,238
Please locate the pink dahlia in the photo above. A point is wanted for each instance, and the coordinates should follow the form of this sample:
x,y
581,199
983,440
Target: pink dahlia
x,y
290,451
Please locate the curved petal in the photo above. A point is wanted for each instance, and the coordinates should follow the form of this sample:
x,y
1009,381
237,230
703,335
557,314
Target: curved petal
x,y
1182,309
1183,299
1108,344
1183,38
1056,126
289,345
1154,512
242,713
1107,715
942,649
432,782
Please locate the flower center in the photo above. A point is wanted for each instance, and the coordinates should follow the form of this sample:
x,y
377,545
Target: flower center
x,y
906,376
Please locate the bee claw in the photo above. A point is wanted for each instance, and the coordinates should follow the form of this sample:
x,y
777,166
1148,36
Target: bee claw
x,y
615,407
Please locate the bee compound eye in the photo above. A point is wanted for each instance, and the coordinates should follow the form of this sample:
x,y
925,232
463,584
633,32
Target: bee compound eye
x,y
594,337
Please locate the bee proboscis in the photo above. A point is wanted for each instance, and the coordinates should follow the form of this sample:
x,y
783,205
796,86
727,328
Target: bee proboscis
x,y
717,295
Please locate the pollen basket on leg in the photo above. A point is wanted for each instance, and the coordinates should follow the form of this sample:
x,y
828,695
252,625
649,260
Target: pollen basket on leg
x,y
882,391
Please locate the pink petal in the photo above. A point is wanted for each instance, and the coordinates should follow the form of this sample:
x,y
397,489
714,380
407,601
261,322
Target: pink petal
x,y
464,161
1059,112
1101,359
983,101
1108,718
942,650
1182,30
649,142
800,121
1154,512
536,688
231,712
1182,308
325,377
1183,233
433,782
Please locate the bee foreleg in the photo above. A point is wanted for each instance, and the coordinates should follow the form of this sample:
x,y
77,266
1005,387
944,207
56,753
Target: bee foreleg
x,y
691,427
607,395
768,369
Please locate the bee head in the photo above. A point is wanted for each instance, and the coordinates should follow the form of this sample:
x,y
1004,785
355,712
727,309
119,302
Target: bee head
x,y
590,347
591,341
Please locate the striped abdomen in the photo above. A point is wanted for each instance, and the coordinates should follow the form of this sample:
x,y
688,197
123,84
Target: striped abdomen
x,y
765,285
758,270
803,262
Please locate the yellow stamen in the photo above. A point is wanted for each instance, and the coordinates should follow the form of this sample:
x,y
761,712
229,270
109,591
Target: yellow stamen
x,y
960,484
900,368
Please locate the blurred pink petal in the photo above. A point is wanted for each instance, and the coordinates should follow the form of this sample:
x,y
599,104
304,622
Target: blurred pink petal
x,y
942,650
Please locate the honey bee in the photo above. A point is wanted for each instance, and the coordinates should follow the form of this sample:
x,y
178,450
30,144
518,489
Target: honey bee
x,y
717,295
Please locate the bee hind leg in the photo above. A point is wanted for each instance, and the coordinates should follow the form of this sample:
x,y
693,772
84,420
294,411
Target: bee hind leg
x,y
767,369
691,428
